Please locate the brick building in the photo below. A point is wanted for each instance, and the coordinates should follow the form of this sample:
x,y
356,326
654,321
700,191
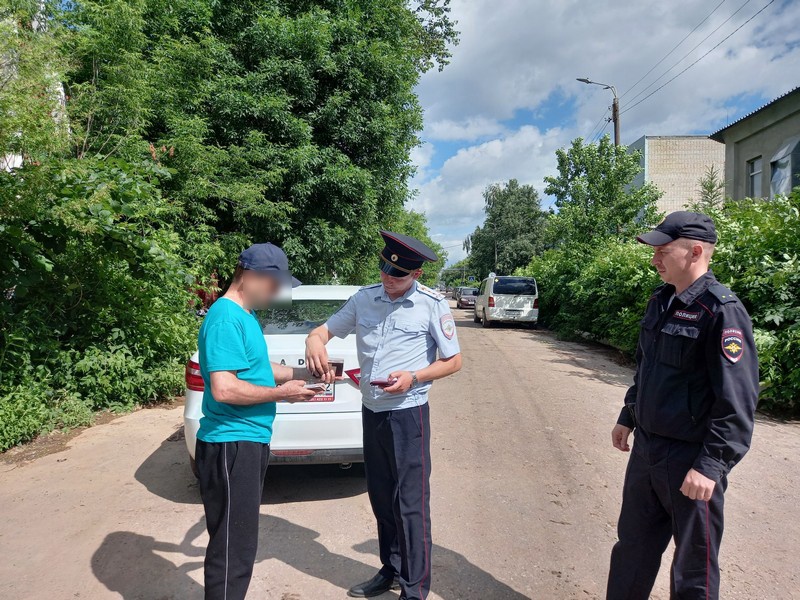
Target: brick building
x,y
675,164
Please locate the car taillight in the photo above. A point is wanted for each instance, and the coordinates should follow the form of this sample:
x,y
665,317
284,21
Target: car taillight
x,y
535,303
194,380
491,301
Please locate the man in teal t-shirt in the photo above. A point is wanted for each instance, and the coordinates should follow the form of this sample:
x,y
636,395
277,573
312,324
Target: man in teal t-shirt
x,y
231,340
238,410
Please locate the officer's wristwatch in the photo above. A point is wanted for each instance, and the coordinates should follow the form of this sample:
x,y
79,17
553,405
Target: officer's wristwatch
x,y
414,380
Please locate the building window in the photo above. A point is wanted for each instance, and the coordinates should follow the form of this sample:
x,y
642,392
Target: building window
x,y
785,168
754,178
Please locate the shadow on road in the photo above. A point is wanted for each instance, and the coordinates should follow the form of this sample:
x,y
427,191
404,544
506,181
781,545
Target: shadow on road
x,y
308,483
454,577
166,474
131,564
127,563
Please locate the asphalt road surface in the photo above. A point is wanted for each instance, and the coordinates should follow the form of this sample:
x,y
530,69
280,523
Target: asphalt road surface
x,y
525,485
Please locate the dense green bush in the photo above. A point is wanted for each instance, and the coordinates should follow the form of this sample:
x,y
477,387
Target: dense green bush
x,y
759,258
601,292
96,312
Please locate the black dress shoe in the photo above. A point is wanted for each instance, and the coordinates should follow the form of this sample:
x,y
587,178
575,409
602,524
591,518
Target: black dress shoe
x,y
374,587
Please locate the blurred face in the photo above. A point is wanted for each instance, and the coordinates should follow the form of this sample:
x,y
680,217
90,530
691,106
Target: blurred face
x,y
397,286
258,289
674,261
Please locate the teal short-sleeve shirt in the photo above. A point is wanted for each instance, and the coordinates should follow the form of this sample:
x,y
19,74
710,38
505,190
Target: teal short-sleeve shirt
x,y
231,340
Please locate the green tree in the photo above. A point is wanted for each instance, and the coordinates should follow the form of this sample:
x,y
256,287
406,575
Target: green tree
x,y
512,232
594,194
289,121
457,274
710,189
32,123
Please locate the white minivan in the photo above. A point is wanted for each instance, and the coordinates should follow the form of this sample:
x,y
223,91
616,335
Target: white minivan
x,y
325,430
508,299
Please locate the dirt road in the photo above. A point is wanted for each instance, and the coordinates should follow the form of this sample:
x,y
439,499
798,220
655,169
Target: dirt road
x,y
525,487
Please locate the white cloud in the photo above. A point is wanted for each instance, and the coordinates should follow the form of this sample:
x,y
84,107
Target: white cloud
x,y
470,129
453,200
421,156
516,54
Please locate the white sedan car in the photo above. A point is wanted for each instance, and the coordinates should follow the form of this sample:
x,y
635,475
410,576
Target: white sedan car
x,y
325,430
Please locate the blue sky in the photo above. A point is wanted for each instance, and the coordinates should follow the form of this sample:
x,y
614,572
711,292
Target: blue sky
x,y
509,98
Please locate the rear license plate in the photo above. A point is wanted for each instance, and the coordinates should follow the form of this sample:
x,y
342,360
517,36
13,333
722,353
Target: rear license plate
x,y
327,396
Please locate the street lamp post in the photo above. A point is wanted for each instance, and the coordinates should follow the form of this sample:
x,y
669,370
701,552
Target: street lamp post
x,y
614,105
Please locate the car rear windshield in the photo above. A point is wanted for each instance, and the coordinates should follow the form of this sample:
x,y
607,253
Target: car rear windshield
x,y
514,286
299,318
470,292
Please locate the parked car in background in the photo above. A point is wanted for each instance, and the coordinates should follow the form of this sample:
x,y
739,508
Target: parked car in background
x,y
507,299
324,430
466,298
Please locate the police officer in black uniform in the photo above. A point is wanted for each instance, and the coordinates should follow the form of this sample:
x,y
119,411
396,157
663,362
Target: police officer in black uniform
x,y
692,407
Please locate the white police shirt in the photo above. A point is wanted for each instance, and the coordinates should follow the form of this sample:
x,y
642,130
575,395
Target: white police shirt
x,y
396,335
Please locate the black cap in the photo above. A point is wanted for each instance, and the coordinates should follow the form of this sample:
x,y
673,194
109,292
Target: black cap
x,y
268,259
681,224
403,254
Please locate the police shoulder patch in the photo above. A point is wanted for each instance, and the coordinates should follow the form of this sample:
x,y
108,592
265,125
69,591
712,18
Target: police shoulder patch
x,y
448,326
732,344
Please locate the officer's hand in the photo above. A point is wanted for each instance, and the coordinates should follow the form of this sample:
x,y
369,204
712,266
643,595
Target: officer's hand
x,y
402,382
697,486
329,377
317,358
619,437
295,391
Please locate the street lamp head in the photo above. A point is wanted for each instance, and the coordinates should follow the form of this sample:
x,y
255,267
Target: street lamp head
x,y
584,80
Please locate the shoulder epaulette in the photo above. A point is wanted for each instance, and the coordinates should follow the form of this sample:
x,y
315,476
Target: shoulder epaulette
x,y
722,293
429,292
372,286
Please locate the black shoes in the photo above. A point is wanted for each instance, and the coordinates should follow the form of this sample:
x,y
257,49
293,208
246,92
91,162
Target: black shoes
x,y
374,587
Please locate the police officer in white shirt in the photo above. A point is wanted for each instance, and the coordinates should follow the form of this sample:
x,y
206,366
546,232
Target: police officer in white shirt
x,y
406,338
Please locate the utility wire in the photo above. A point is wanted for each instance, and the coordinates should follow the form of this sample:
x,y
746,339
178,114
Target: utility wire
x,y
601,132
668,54
701,58
596,125
685,56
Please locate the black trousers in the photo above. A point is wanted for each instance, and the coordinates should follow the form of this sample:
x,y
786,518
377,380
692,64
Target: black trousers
x,y
397,458
654,511
231,482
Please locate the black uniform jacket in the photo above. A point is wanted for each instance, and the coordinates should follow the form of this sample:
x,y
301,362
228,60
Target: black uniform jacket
x,y
697,373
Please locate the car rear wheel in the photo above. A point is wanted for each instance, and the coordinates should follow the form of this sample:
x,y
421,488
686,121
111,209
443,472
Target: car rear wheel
x,y
475,317
486,322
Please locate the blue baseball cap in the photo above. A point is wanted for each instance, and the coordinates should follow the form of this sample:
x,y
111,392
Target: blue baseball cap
x,y
268,259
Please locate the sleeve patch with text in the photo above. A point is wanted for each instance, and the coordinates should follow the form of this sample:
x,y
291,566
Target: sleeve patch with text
x,y
732,344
